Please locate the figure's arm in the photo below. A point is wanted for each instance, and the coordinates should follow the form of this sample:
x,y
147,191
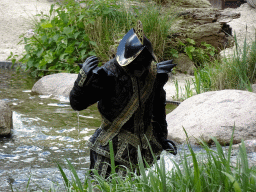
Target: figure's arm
x,y
88,87
159,113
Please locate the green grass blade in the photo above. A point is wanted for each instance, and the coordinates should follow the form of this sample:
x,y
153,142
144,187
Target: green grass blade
x,y
236,186
197,180
77,180
142,170
66,181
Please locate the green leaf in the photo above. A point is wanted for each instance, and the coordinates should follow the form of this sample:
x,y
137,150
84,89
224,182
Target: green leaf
x,y
82,54
189,49
191,41
77,34
62,56
93,43
56,37
78,181
46,25
174,53
81,17
67,183
70,49
48,57
68,30
92,53
39,53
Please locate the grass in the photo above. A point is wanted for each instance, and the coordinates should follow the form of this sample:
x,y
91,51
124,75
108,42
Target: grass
x,y
236,72
212,171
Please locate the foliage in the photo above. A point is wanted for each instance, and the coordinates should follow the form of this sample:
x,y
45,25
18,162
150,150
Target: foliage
x,y
73,30
199,55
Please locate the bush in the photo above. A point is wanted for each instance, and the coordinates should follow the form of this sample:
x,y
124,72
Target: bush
x,y
73,31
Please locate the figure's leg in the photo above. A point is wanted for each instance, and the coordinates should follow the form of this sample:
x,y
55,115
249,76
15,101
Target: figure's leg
x,y
99,163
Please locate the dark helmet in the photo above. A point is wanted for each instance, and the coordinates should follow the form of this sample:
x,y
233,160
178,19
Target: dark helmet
x,y
132,44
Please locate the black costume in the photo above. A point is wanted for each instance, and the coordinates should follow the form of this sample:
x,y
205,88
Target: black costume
x,y
132,107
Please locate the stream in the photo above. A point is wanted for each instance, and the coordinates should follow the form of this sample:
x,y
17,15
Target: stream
x,y
45,132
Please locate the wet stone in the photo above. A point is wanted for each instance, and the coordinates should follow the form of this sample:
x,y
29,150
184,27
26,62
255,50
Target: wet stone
x,y
5,119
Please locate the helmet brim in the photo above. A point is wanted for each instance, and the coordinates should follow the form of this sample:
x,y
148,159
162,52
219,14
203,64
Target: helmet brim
x,y
120,55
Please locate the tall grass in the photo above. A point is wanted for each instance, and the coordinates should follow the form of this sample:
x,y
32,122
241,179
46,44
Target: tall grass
x,y
212,171
237,72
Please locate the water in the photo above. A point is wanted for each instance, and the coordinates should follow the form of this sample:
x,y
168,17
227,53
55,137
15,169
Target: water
x,y
45,132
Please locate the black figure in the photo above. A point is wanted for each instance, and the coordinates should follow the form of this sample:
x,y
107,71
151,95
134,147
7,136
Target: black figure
x,y
131,100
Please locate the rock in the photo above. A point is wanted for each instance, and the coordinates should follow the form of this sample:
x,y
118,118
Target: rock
x,y
252,3
250,146
184,64
214,114
59,84
203,25
254,88
5,119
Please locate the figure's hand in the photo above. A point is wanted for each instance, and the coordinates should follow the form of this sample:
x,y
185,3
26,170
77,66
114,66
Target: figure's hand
x,y
165,66
90,64
169,146
85,73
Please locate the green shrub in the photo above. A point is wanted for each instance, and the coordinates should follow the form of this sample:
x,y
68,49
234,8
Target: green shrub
x,y
73,31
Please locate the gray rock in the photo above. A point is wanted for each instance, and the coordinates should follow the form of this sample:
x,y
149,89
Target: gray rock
x,y
250,146
254,88
5,119
59,84
214,114
184,64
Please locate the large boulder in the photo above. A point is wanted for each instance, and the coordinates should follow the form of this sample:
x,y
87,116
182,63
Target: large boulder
x,y
214,114
59,84
5,119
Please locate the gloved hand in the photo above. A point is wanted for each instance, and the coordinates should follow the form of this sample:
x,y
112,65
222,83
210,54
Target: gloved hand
x,y
165,66
169,146
87,67
89,64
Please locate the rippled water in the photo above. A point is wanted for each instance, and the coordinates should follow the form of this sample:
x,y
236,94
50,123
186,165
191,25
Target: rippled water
x,y
45,131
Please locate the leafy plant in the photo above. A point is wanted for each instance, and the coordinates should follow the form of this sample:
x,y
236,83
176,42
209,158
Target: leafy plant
x,y
198,55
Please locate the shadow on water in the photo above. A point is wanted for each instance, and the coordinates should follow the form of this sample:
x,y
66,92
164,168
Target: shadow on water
x,y
45,131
